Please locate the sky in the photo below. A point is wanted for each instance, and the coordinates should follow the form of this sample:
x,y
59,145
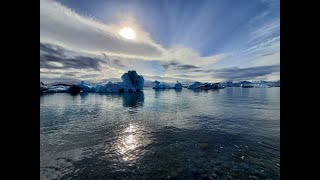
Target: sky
x,y
185,40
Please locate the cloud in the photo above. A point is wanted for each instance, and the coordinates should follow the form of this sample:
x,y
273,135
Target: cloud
x,y
268,59
58,63
185,67
62,26
118,63
53,57
263,46
250,73
168,79
177,66
186,55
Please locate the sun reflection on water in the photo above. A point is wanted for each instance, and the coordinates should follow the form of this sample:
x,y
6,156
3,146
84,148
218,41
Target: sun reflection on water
x,y
129,143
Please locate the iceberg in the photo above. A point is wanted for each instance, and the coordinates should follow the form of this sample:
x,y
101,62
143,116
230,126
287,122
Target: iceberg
x,y
159,85
205,86
261,86
195,85
178,85
57,89
246,86
110,87
85,87
131,82
74,89
43,87
218,86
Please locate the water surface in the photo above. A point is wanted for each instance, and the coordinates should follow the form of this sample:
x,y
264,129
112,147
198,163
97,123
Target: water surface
x,y
232,133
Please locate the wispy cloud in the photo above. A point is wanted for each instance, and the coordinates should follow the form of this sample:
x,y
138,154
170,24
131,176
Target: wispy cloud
x,y
250,73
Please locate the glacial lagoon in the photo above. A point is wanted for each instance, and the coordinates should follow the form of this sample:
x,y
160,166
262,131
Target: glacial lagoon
x,y
231,133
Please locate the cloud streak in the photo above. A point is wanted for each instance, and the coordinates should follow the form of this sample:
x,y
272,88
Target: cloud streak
x,y
53,57
250,73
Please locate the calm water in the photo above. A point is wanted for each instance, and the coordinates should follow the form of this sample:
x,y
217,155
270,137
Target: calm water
x,y
232,133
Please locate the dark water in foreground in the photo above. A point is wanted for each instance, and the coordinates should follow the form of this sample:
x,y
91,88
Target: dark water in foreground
x,y
232,133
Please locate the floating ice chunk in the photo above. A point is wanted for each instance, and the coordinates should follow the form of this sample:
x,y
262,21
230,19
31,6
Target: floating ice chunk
x,y
219,86
85,87
178,85
205,86
57,89
246,86
43,87
132,82
261,86
195,85
110,87
74,89
159,85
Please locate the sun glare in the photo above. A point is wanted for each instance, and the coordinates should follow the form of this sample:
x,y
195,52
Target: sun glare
x,y
127,33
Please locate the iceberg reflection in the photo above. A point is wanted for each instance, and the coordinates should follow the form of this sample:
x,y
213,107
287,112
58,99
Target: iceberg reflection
x,y
133,99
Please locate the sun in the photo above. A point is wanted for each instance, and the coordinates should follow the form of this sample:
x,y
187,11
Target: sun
x,y
127,33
